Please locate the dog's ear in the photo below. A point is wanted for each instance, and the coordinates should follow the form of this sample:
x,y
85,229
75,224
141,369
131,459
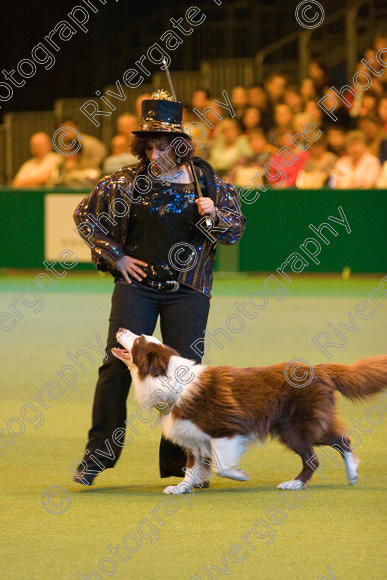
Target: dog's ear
x,y
151,359
157,363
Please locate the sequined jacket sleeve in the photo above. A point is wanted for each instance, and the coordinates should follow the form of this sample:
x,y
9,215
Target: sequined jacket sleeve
x,y
230,222
97,222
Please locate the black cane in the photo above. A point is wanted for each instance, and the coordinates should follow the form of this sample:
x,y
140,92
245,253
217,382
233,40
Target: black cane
x,y
194,176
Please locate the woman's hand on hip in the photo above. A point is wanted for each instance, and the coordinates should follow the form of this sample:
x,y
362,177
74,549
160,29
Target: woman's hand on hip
x,y
131,267
205,206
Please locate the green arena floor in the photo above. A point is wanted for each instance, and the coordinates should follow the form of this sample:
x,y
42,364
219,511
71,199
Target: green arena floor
x,y
52,528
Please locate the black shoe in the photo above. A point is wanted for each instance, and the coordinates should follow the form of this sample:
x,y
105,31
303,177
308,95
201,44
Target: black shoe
x,y
84,479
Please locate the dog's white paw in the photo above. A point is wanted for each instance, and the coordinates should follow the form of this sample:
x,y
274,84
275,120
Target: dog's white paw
x,y
237,474
292,484
176,489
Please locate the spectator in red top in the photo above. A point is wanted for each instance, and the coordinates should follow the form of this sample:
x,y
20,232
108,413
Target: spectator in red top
x,y
285,165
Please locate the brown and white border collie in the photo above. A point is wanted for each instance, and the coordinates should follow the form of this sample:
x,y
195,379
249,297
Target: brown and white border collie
x,y
213,412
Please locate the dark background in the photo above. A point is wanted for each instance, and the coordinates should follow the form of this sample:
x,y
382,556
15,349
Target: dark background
x,y
121,32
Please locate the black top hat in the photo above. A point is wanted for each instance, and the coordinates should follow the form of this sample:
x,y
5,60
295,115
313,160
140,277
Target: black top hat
x,y
161,114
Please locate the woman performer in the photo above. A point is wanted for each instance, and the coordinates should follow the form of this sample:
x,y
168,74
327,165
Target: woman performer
x,y
148,228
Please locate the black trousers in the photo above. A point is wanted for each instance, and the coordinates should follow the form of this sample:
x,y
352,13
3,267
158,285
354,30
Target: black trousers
x,y
183,319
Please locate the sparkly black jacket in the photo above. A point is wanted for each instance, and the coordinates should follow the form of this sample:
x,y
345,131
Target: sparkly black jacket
x,y
103,215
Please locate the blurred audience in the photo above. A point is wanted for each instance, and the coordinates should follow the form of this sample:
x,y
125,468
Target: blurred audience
x,y
374,132
315,173
93,150
37,171
251,119
358,169
265,115
318,73
75,171
282,122
239,101
230,146
120,155
287,162
336,141
243,170
382,181
126,124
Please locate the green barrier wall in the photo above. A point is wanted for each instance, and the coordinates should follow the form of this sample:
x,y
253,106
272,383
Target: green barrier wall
x,y
277,223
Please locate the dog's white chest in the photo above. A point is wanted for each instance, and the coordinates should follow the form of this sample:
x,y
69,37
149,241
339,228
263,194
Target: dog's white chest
x,y
186,434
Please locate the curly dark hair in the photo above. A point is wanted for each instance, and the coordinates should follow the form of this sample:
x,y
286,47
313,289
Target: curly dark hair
x,y
140,143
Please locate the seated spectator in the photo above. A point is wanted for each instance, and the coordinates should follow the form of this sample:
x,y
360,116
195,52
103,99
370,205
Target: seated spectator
x,y
120,155
308,90
382,111
284,174
75,170
312,109
239,101
283,118
127,123
37,171
300,123
382,181
344,120
243,171
275,85
251,119
318,72
358,169
293,99
257,97
369,104
200,99
94,151
374,132
336,141
228,147
316,171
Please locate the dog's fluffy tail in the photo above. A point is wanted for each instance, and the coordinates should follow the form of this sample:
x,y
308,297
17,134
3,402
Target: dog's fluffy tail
x,y
360,380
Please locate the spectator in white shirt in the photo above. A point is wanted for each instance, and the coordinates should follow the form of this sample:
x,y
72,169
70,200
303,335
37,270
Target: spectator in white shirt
x,y
358,169
228,147
37,172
